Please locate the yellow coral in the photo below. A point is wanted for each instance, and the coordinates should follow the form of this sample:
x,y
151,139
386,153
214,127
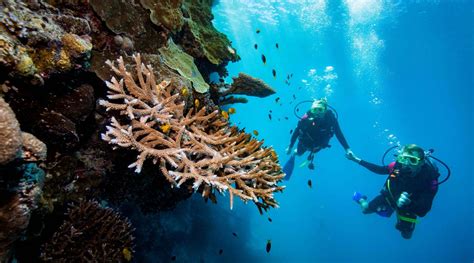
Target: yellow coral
x,y
75,45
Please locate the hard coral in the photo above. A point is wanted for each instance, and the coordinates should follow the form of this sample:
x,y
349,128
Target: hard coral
x,y
10,134
196,145
91,233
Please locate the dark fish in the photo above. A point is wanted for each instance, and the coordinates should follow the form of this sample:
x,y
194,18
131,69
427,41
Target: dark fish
x,y
278,119
287,82
291,75
213,198
276,45
286,118
270,111
269,219
269,246
255,46
299,87
270,116
288,76
264,59
291,131
234,234
173,258
294,97
221,251
257,31
260,210
297,109
277,99
274,73
310,184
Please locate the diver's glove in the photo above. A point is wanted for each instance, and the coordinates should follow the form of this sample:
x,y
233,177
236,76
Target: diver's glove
x,y
351,156
403,200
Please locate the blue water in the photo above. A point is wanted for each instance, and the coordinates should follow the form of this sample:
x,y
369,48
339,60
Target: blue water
x,y
398,72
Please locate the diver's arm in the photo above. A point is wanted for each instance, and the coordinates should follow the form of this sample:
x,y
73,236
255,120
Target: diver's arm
x,y
340,137
378,169
295,134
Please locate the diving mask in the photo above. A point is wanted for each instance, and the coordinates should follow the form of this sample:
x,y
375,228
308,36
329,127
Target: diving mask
x,y
318,110
408,159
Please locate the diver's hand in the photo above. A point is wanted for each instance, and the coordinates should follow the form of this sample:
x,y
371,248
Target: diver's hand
x,y
288,150
403,200
351,156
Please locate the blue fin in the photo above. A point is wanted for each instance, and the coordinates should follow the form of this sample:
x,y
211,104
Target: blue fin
x,y
288,168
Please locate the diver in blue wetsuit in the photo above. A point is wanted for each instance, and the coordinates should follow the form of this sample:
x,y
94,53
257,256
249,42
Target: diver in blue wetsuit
x,y
313,132
409,189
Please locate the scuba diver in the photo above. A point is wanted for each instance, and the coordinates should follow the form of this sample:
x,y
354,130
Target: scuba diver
x,y
409,189
314,130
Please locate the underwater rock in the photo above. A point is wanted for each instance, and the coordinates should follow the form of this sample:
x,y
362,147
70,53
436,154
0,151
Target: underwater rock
x,y
34,150
91,233
166,13
74,103
56,130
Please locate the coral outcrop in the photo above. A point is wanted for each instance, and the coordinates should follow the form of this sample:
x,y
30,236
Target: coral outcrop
x,y
91,233
188,146
10,134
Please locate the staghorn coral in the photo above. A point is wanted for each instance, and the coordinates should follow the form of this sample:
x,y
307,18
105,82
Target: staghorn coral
x,y
91,233
194,146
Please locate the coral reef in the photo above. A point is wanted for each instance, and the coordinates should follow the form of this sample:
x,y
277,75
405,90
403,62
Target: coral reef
x,y
91,233
243,85
196,145
18,200
32,44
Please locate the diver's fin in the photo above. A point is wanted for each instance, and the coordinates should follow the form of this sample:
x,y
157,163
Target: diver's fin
x,y
303,164
288,168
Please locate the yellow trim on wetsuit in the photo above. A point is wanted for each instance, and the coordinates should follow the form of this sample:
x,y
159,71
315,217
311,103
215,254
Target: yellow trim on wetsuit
x,y
403,218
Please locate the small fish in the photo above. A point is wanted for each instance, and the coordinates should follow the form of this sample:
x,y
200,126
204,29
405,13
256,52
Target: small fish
x,y
264,59
221,251
297,109
310,184
257,31
255,132
270,111
184,91
288,76
270,116
196,103
225,114
286,118
127,254
231,110
277,99
276,45
234,234
279,119
213,198
299,87
291,75
173,258
255,46
294,97
259,209
291,131
274,73
269,246
165,127
231,50
269,219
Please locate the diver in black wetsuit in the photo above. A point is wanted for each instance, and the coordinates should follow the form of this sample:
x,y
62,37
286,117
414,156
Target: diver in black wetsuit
x,y
409,190
314,131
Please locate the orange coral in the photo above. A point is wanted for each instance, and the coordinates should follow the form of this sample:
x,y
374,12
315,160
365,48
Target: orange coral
x,y
198,146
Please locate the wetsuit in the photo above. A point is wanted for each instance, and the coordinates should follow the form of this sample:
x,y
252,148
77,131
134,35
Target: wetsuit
x,y
314,133
422,189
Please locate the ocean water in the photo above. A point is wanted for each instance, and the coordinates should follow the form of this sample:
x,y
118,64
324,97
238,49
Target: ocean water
x,y
397,72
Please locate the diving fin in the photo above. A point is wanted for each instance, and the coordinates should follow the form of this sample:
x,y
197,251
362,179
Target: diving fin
x,y
288,168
